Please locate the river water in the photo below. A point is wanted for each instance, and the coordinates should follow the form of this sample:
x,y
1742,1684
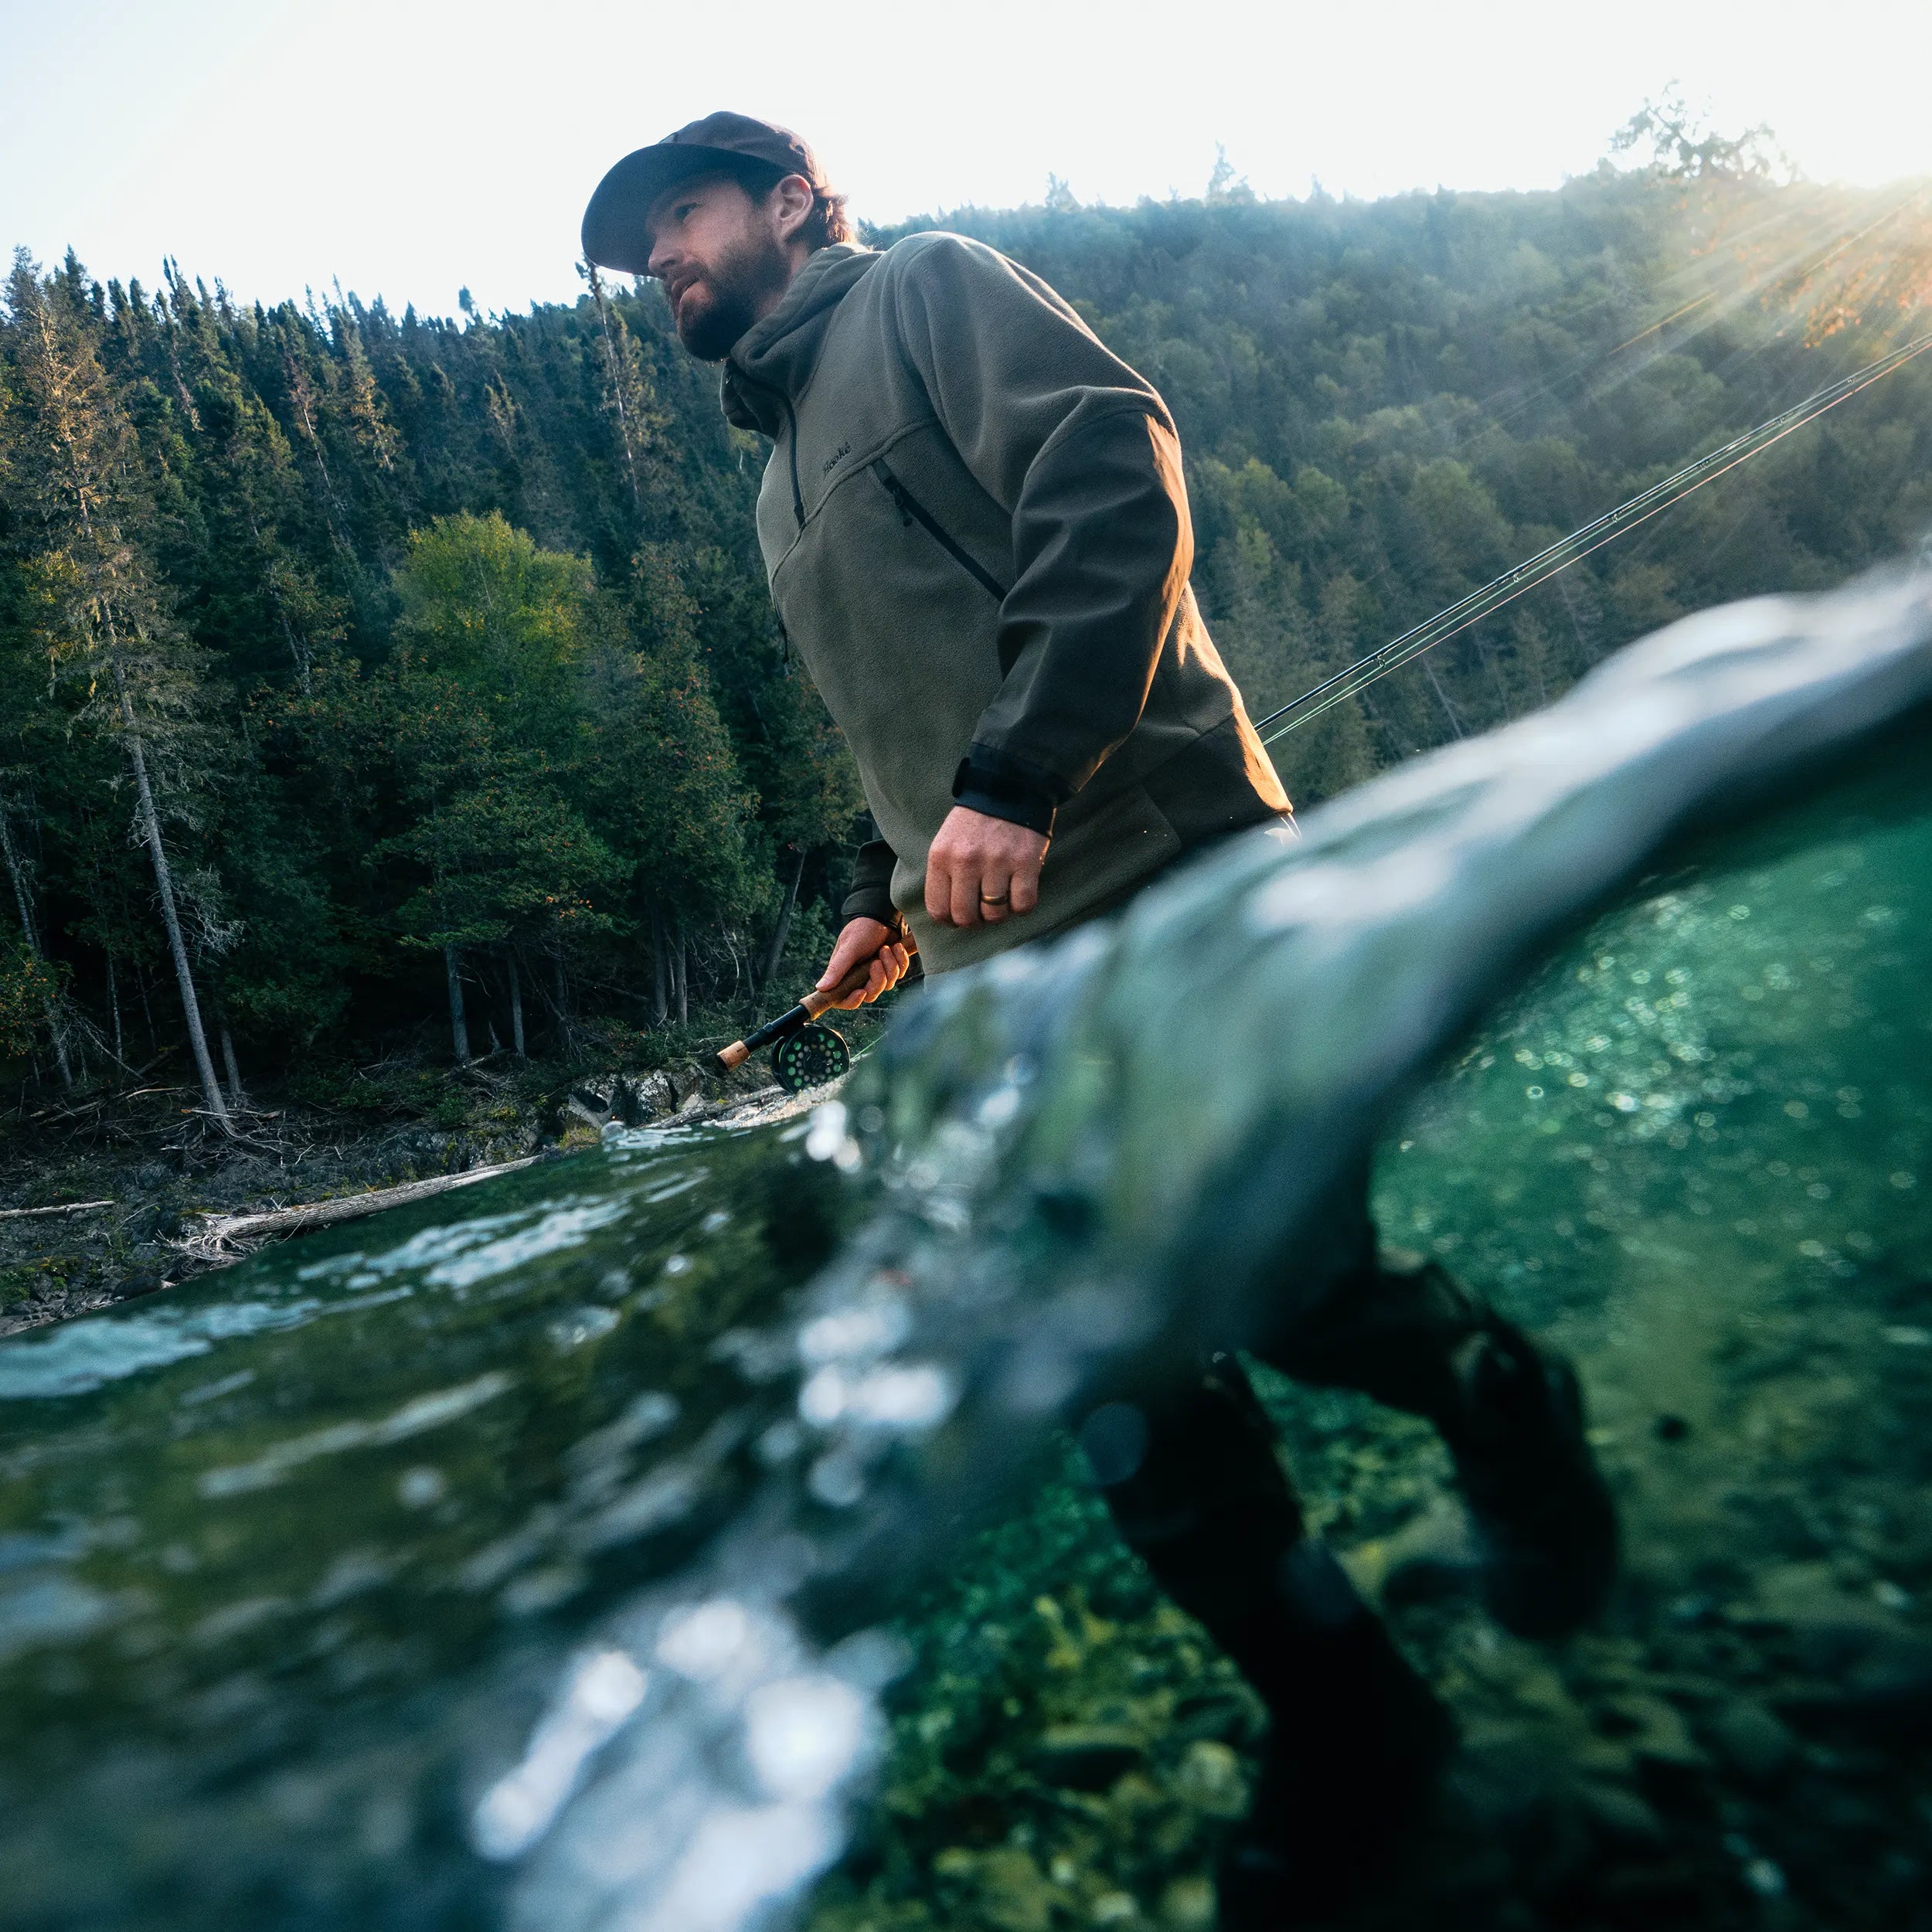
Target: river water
x,y
577,1551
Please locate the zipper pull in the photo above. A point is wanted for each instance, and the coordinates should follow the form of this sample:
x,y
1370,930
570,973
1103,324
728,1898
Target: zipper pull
x,y
896,490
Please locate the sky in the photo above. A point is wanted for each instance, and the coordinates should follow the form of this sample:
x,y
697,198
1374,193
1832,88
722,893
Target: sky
x,y
410,149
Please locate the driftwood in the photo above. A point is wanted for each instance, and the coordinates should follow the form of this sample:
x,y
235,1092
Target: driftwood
x,y
221,1238
227,1237
66,1207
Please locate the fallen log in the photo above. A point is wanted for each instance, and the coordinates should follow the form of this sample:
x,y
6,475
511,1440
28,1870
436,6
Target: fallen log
x,y
66,1207
223,1238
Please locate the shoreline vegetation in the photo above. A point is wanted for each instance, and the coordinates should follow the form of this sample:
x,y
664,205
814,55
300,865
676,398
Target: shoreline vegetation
x,y
117,1195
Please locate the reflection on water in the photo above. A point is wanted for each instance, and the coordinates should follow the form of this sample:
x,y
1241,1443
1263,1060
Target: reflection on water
x,y
531,1558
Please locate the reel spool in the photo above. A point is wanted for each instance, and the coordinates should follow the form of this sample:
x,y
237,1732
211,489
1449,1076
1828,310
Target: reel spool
x,y
810,1057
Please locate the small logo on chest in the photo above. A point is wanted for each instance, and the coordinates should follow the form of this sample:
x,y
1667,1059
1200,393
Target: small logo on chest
x,y
836,457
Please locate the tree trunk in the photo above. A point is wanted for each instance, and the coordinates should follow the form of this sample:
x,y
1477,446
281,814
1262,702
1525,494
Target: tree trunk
x,y
660,985
18,873
679,965
237,1098
559,999
516,1009
1449,710
459,1033
768,967
114,1007
171,916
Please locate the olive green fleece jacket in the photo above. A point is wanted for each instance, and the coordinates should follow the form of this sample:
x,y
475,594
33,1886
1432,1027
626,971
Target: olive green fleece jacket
x,y
978,539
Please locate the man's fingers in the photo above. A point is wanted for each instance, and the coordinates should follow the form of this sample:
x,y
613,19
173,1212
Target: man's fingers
x,y
845,956
965,895
853,1002
1024,887
939,887
888,969
996,899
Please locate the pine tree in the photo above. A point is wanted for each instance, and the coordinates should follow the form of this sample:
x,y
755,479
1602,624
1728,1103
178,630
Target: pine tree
x,y
102,613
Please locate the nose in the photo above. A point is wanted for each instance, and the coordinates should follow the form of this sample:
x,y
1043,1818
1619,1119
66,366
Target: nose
x,y
662,256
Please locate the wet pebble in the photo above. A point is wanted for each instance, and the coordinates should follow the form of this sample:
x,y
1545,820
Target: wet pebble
x,y
1752,1742
1089,1758
1620,1815
1188,1905
1654,1731
1211,1780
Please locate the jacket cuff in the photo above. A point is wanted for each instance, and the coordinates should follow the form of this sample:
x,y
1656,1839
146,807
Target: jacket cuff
x,y
872,902
1003,788
870,896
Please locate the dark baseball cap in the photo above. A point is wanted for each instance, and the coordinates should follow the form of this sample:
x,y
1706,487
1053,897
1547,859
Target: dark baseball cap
x,y
614,231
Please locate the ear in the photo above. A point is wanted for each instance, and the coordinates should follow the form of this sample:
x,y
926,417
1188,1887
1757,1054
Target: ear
x,y
791,205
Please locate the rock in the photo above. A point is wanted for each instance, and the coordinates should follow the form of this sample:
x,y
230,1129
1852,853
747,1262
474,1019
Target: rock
x,y
1090,1758
595,1096
1014,1893
1654,1731
655,1094
1885,1695
1231,1716
1210,1779
1188,1905
1752,1742
575,1111
1617,1814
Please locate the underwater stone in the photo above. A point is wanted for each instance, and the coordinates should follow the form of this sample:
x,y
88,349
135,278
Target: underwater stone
x,y
1655,1732
1211,1779
1619,1814
1752,1742
1088,1757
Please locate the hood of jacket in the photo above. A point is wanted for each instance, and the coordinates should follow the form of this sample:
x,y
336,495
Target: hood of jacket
x,y
773,361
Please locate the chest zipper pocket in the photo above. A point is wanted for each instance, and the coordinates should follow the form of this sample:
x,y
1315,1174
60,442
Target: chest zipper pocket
x,y
912,511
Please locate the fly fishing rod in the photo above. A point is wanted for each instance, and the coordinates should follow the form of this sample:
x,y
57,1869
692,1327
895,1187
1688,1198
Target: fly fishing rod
x,y
1559,556
804,1054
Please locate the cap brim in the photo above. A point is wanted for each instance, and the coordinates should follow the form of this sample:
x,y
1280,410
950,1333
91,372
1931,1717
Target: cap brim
x,y
614,235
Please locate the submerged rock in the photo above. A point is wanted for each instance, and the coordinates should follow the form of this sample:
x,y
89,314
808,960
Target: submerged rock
x,y
1752,1741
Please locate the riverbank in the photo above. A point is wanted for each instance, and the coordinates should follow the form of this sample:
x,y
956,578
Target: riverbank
x,y
102,1188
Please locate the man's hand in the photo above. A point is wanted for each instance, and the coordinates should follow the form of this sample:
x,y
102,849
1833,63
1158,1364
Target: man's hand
x,y
982,869
862,939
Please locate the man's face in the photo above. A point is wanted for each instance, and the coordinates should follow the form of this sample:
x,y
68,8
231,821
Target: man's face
x,y
719,251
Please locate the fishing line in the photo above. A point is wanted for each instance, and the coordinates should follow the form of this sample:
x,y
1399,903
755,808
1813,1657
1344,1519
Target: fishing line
x,y
1559,556
1793,268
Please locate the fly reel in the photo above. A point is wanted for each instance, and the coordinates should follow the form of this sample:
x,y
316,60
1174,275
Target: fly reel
x,y
810,1057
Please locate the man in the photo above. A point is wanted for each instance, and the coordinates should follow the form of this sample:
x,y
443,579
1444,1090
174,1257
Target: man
x,y
977,533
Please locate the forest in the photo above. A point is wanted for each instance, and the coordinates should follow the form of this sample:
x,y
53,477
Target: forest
x,y
376,684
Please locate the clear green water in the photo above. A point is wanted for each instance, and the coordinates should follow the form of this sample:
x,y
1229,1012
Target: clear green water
x,y
1696,1150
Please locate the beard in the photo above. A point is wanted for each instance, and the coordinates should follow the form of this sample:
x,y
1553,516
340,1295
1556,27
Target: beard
x,y
729,297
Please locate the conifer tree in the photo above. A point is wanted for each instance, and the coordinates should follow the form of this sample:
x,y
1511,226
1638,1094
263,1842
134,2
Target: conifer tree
x,y
102,611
